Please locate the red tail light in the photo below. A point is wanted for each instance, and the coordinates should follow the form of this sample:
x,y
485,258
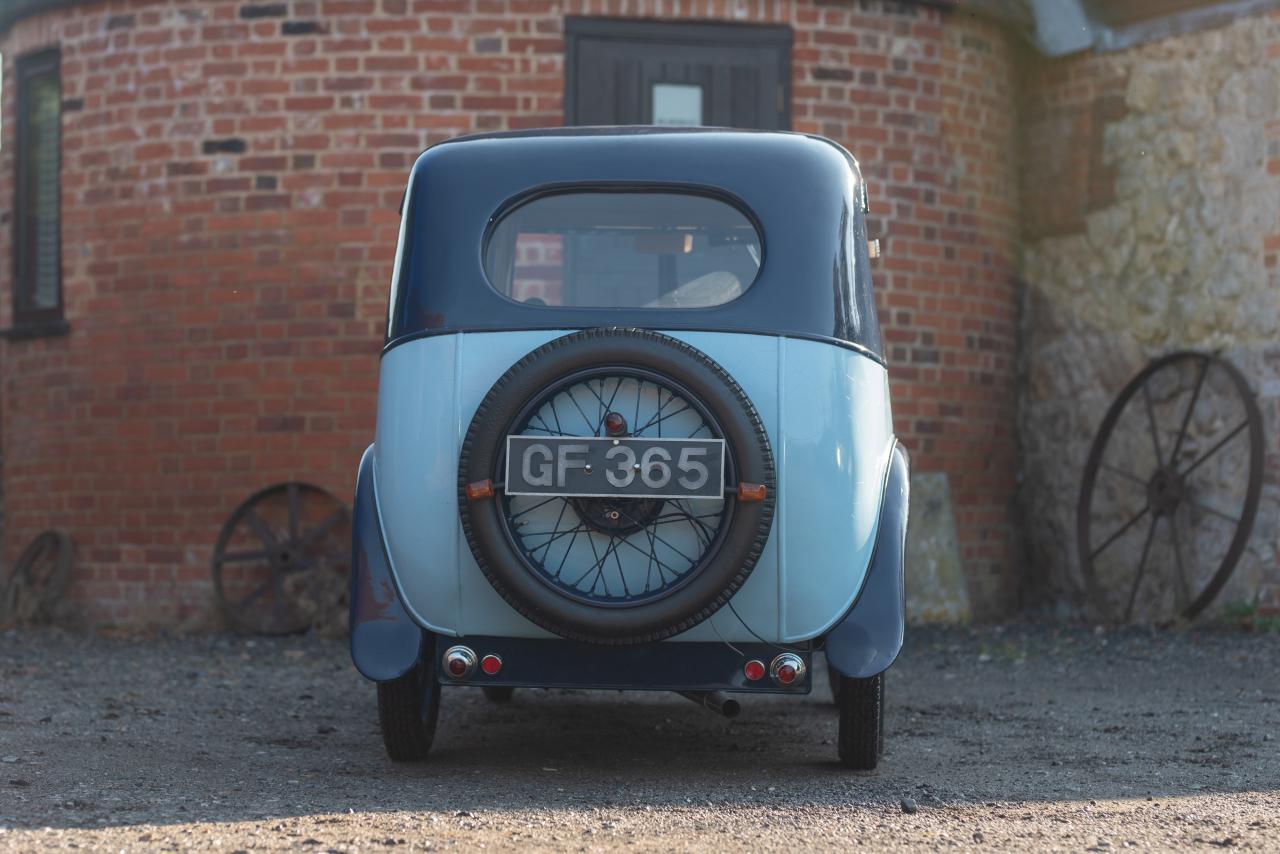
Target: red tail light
x,y
459,661
787,669
491,664
753,670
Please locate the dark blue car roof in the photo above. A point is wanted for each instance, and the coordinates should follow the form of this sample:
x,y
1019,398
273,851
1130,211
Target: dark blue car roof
x,y
804,192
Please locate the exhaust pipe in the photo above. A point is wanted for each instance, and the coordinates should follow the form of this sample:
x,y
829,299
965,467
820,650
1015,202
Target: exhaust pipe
x,y
716,701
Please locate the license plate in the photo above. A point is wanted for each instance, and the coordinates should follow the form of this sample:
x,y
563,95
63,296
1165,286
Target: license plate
x,y
592,467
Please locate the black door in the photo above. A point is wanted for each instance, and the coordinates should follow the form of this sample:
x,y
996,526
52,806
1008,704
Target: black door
x,y
623,72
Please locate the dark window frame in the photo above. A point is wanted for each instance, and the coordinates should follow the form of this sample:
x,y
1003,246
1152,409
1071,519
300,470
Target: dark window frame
x,y
29,321
690,33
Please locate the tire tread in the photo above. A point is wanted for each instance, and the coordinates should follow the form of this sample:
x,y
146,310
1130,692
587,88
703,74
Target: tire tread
x,y
861,735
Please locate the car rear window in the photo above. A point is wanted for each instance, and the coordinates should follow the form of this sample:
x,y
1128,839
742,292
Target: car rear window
x,y
623,249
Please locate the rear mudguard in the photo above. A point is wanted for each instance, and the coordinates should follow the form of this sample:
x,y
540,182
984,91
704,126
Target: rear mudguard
x,y
867,640
385,642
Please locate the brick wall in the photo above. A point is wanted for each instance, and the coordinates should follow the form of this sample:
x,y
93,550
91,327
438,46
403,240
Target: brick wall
x,y
231,176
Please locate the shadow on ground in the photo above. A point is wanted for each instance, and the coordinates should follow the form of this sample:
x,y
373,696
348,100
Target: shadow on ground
x,y
101,732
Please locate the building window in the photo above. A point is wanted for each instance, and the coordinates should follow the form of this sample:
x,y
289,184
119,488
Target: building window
x,y
37,265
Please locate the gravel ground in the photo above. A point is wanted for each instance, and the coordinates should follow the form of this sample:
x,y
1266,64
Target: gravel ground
x,y
1020,737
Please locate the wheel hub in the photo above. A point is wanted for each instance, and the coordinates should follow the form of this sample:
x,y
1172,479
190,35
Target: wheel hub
x,y
618,516
1164,491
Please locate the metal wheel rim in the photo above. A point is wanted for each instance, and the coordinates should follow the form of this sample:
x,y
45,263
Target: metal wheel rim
x,y
1250,428
709,427
285,554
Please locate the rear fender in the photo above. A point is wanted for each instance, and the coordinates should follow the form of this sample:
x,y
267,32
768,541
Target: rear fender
x,y
385,642
867,640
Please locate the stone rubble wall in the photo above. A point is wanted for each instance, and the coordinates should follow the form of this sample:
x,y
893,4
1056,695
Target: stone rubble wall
x,y
1151,194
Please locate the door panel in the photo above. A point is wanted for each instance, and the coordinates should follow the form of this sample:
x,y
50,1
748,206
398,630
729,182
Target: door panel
x,y
613,66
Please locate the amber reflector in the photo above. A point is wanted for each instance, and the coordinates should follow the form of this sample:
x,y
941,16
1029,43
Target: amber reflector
x,y
479,489
751,492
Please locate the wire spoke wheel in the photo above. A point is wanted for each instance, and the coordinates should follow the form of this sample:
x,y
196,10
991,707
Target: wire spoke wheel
x,y
282,561
1171,490
604,565
616,552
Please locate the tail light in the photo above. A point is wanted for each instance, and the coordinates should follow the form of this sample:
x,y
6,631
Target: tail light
x,y
787,669
459,662
753,670
491,664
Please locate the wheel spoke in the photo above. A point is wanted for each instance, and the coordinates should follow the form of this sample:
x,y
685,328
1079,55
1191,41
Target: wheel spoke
x,y
295,511
277,600
567,550
626,591
1151,421
639,394
536,506
545,428
658,418
1205,508
1124,474
598,567
326,525
1215,449
1183,586
606,408
240,557
1186,418
702,531
578,406
260,528
1142,568
555,415
1118,534
659,538
652,553
257,591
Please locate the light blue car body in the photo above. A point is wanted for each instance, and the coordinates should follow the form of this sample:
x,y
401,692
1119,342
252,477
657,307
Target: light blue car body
x,y
824,407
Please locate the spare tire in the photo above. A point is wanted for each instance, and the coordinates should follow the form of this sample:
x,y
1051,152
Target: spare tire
x,y
607,569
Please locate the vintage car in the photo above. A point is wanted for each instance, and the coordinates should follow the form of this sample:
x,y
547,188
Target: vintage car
x,y
633,430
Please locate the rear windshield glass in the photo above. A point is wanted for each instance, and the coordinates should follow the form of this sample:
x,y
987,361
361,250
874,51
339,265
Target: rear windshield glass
x,y
623,250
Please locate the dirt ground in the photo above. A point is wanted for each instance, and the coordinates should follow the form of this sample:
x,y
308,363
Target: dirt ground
x,y
1019,737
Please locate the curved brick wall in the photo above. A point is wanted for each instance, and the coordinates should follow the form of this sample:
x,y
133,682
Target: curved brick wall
x,y
231,173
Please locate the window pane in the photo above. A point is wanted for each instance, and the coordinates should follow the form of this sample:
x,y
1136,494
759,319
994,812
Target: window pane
x,y
677,104
38,152
623,250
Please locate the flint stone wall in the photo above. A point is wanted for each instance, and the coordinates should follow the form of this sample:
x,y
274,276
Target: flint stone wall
x,y
1152,199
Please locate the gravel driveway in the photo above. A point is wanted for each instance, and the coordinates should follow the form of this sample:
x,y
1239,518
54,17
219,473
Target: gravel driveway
x,y
1020,737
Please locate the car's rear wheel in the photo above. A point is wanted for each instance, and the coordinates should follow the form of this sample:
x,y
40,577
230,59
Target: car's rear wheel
x,y
408,709
861,734
616,569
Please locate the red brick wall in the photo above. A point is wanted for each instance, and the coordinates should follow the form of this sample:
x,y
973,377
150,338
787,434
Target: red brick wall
x,y
230,185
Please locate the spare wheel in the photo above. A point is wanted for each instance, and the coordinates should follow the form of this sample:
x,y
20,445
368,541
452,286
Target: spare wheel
x,y
645,479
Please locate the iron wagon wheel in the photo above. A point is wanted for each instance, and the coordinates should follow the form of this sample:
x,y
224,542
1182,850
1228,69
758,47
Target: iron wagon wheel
x,y
616,570
38,579
1171,489
282,560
